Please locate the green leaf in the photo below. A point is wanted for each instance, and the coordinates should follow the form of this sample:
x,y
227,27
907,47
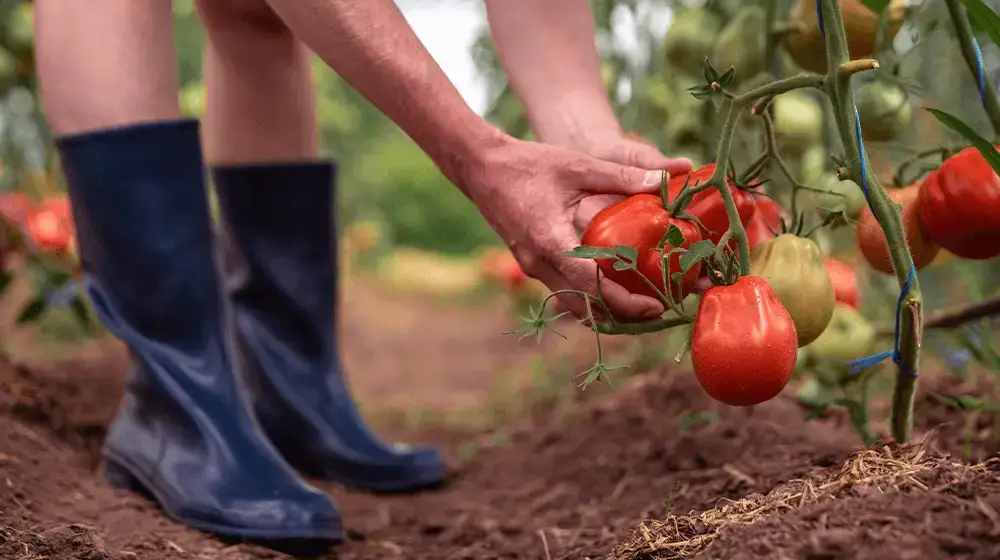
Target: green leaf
x,y
984,146
710,73
81,311
948,401
587,252
32,311
876,5
970,402
982,17
858,416
626,252
698,252
727,79
672,237
622,266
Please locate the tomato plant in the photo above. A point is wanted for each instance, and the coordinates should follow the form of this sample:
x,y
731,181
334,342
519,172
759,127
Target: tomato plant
x,y
641,222
766,221
958,206
744,345
708,206
793,267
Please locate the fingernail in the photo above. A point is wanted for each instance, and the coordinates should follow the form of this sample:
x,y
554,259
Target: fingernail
x,y
654,178
653,312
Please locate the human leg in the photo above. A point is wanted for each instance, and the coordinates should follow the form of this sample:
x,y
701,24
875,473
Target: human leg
x,y
136,181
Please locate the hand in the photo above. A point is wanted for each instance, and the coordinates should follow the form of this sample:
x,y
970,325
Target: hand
x,y
530,192
621,149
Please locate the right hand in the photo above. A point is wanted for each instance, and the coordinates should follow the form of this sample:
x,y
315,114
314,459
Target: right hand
x,y
530,193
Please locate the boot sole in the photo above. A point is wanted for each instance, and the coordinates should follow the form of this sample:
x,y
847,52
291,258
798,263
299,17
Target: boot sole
x,y
308,542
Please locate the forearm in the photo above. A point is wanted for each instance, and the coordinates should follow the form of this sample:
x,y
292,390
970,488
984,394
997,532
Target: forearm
x,y
548,51
372,47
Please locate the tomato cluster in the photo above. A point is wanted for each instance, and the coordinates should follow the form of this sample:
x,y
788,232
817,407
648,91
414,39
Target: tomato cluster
x,y
47,226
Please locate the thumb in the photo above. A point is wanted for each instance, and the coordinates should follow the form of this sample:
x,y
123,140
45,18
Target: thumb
x,y
602,177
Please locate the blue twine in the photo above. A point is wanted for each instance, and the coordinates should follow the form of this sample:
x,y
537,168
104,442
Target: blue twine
x,y
894,354
980,72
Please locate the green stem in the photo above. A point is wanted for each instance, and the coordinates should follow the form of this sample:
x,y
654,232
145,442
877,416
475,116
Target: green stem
x,y
732,110
663,323
888,215
963,30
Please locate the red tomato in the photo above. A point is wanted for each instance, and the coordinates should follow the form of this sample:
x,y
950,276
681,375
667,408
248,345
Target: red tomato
x,y
640,221
766,221
61,206
744,345
48,230
845,281
959,206
871,238
501,267
708,206
14,207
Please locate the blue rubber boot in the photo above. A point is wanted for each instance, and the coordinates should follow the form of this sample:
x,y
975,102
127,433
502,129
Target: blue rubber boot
x,y
184,434
280,254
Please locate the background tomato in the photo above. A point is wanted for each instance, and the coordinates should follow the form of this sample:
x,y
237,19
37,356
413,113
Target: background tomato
x,y
840,196
871,238
48,230
807,46
744,345
15,207
690,38
850,336
766,221
793,267
844,280
884,110
958,206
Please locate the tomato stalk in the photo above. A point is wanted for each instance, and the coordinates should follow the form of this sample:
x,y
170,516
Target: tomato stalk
x,y
838,88
966,41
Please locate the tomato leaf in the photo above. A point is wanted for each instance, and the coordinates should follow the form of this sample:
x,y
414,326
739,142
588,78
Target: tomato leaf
x,y
698,252
33,311
711,75
623,265
587,252
727,79
858,415
876,5
984,146
672,237
626,252
982,17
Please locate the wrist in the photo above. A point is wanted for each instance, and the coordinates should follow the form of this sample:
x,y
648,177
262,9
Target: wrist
x,y
577,120
465,148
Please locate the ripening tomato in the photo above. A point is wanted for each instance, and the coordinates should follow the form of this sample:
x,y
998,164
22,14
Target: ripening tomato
x,y
766,221
844,280
641,221
871,238
959,206
14,207
744,345
60,205
708,206
48,230
500,266
793,268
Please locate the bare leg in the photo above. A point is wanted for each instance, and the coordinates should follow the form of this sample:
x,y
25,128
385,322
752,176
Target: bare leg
x,y
260,89
105,63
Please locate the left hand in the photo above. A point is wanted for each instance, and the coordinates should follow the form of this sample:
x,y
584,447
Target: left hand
x,y
621,149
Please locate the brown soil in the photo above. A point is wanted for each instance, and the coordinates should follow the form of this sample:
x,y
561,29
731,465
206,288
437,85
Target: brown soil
x,y
548,486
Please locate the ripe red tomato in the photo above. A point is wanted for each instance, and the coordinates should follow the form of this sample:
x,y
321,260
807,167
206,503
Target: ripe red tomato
x,y
48,230
959,206
640,221
708,206
845,281
61,206
501,267
871,238
14,207
766,221
744,345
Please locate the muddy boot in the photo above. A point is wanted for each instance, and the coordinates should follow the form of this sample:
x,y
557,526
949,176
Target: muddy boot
x,y
281,261
184,434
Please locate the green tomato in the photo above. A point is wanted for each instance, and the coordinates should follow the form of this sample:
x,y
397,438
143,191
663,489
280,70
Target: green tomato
x,y
844,196
798,121
884,110
690,38
741,44
793,266
848,337
813,164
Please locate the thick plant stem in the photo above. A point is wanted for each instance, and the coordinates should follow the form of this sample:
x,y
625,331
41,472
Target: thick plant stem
x,y
963,29
888,215
739,233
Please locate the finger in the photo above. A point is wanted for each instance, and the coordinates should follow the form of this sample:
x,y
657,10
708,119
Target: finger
x,y
590,206
648,157
601,177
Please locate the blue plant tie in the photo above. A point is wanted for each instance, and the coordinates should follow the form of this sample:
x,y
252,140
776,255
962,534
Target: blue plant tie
x,y
895,354
980,72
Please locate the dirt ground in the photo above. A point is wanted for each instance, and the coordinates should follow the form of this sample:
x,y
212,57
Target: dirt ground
x,y
595,480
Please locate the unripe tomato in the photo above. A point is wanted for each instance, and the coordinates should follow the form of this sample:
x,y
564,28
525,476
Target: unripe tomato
x,y
871,238
884,110
708,206
850,336
844,280
48,231
15,207
793,267
741,44
845,196
641,221
766,221
808,47
744,345
959,206
798,120
690,38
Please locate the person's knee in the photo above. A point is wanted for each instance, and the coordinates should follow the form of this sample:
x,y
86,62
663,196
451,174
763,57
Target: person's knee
x,y
254,17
